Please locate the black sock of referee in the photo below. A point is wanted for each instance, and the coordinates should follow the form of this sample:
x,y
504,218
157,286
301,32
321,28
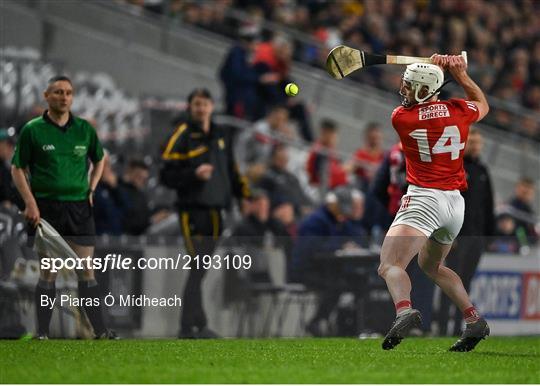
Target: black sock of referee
x,y
44,290
90,289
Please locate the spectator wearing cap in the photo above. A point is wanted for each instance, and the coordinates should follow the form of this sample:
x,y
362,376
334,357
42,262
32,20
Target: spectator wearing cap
x,y
333,226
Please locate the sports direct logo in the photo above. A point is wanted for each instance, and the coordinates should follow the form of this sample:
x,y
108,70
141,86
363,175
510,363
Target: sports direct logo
x,y
433,111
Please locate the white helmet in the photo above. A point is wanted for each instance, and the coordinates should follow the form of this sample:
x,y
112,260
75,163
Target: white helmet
x,y
424,74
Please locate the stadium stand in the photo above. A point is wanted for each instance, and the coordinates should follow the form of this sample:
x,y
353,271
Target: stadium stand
x,y
500,37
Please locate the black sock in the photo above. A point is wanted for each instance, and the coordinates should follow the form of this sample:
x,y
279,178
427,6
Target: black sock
x,y
90,289
44,313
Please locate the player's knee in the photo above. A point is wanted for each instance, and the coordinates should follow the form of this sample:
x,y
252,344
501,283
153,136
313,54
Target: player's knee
x,y
383,269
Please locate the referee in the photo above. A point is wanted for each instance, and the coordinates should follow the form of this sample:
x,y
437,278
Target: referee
x,y
53,150
198,162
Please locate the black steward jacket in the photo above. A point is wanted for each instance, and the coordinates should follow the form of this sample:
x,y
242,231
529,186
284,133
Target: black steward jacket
x,y
479,209
190,147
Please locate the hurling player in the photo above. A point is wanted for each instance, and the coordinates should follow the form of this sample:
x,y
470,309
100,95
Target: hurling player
x,y
433,134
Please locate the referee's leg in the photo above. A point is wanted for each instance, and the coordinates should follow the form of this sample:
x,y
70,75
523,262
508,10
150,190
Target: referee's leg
x,y
45,290
81,231
89,288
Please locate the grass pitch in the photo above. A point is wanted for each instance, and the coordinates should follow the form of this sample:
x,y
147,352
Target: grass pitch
x,y
416,360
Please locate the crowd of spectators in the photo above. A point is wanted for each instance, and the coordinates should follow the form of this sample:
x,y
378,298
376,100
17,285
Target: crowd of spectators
x,y
501,38
376,171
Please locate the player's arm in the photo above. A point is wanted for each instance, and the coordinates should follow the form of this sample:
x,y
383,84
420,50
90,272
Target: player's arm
x,y
31,211
458,68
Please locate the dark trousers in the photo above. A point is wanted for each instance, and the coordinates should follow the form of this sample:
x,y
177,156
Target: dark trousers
x,y
463,259
201,229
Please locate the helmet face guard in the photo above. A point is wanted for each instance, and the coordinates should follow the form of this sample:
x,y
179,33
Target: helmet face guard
x,y
417,76
405,100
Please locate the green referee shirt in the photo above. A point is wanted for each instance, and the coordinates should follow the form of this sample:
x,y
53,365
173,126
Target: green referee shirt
x,y
57,157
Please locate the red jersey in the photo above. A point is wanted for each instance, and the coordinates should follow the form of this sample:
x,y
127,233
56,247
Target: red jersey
x,y
367,163
433,137
337,175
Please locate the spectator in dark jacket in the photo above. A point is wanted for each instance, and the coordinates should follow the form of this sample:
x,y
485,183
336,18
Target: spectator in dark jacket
x,y
283,186
335,225
521,210
478,225
9,195
505,240
240,78
136,214
109,202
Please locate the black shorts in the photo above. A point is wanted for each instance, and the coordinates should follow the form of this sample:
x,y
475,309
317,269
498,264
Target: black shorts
x,y
73,220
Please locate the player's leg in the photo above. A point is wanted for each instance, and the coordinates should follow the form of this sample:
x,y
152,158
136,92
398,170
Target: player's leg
x,y
446,309
430,260
401,244
89,288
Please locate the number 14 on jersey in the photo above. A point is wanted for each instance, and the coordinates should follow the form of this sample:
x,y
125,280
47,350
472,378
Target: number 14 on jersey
x,y
450,134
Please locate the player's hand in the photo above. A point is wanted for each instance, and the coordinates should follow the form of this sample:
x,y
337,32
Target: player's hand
x,y
440,60
457,65
204,172
31,214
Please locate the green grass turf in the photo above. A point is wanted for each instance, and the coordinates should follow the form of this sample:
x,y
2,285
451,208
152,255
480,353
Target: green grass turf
x,y
416,360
